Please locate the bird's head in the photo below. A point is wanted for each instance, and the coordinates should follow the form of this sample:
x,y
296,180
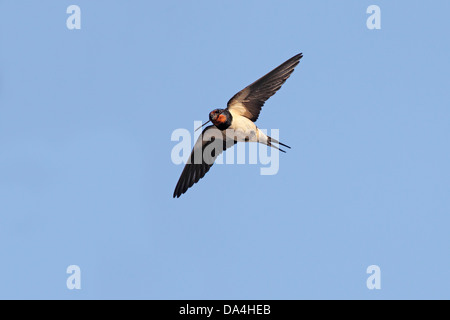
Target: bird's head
x,y
221,118
215,114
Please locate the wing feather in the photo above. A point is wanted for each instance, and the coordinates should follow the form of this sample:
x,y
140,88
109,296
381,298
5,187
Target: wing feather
x,y
249,101
200,162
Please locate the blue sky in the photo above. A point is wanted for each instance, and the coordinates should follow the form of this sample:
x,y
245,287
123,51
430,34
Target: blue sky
x,y
86,177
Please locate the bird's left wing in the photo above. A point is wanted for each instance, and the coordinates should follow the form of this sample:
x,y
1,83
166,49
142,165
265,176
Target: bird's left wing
x,y
249,101
211,143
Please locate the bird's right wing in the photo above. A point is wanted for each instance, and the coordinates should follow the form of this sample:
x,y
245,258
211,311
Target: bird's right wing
x,y
211,143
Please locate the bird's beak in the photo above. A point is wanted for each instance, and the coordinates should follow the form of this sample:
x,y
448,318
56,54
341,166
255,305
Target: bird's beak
x,y
202,125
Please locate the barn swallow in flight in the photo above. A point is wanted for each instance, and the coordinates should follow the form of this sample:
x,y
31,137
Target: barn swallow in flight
x,y
238,118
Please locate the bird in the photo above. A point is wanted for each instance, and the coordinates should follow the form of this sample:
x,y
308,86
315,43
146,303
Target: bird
x,y
235,123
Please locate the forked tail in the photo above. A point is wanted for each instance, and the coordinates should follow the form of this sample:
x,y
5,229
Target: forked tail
x,y
271,140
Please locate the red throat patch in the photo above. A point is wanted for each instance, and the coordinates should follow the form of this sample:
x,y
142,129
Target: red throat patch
x,y
221,119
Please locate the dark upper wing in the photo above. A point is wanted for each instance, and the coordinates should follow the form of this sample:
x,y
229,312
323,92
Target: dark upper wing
x,y
211,143
249,101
